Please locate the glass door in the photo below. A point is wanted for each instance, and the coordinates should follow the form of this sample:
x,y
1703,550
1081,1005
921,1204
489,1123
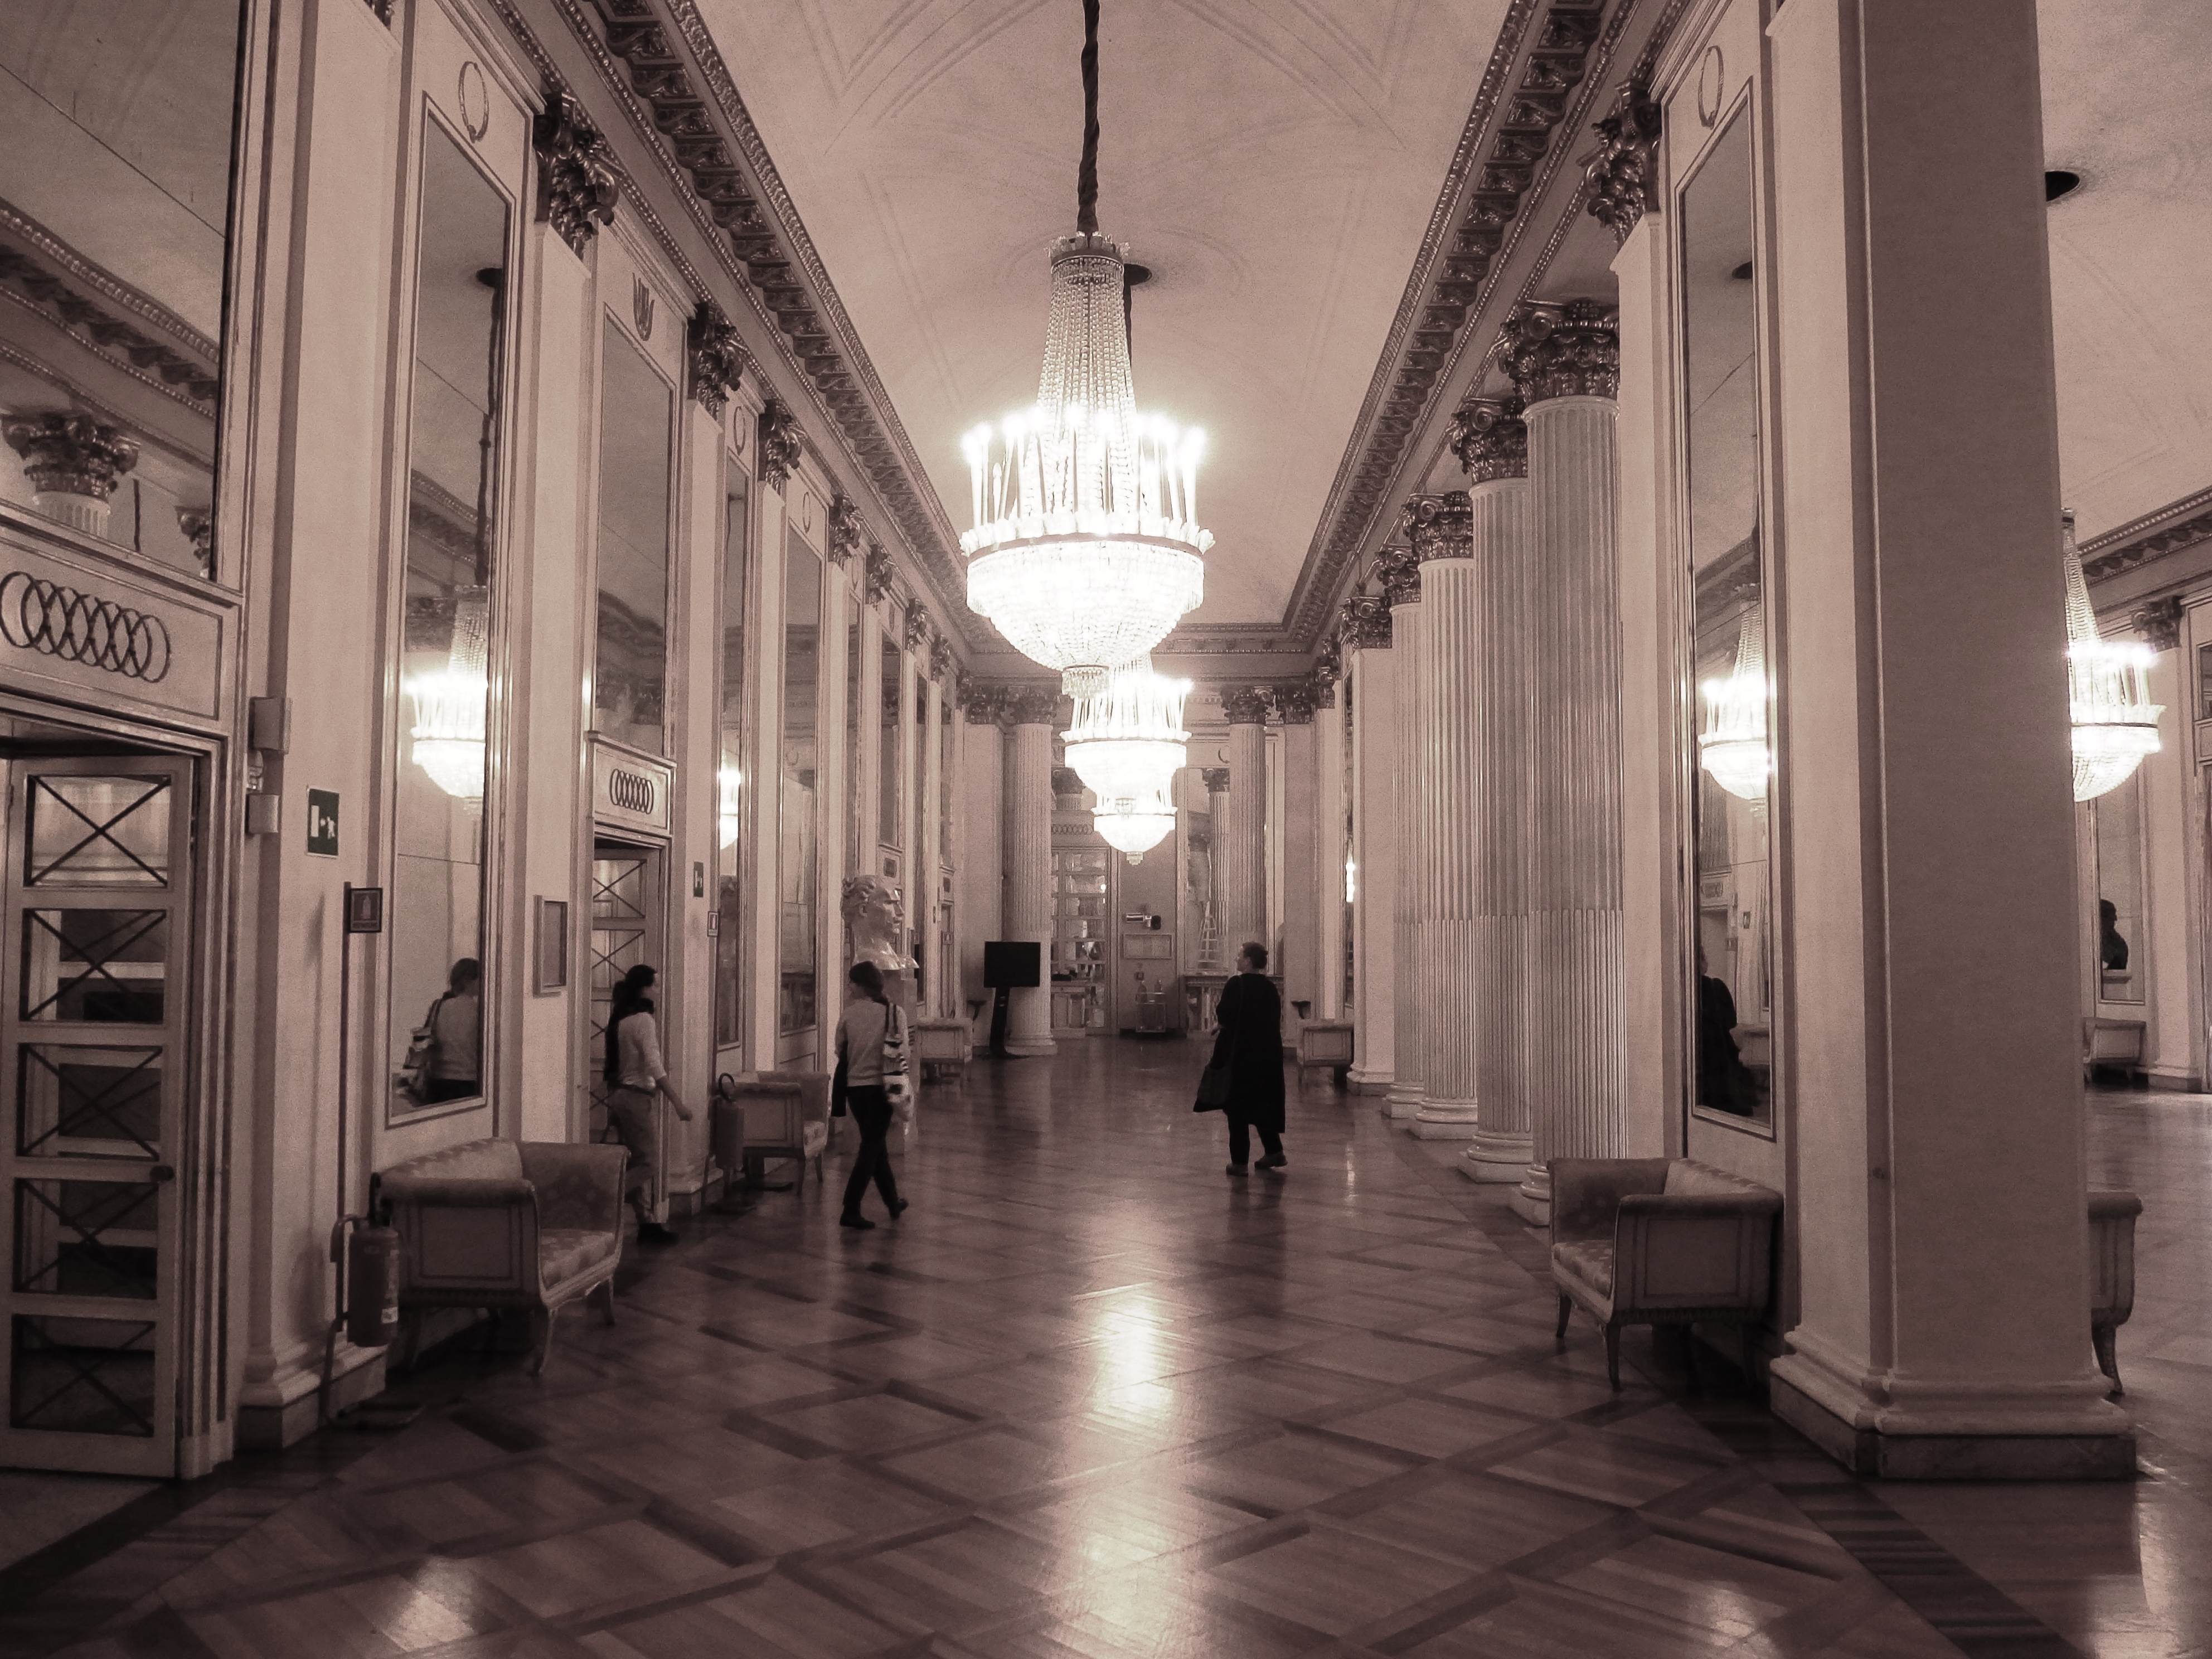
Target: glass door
x,y
625,931
93,1014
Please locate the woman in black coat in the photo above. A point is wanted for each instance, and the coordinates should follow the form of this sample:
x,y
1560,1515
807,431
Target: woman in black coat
x,y
1251,1046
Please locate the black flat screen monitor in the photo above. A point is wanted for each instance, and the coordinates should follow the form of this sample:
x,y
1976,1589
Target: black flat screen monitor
x,y
1013,963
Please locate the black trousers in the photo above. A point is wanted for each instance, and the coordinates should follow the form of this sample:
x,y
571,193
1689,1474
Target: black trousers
x,y
872,1114
1240,1142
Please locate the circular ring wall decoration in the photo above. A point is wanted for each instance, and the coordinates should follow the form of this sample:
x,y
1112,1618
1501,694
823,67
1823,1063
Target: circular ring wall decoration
x,y
37,614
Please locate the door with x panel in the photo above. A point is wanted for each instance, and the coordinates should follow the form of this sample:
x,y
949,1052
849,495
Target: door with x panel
x,y
94,1010
626,911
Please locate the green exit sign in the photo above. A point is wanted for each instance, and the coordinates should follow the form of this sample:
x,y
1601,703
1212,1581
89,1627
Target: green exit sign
x,y
322,823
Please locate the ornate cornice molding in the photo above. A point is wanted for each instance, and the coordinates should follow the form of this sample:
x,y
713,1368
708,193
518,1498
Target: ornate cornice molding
x,y
1622,175
69,454
844,533
1562,348
580,177
713,357
778,444
1441,526
2178,525
1396,569
1491,440
1217,778
1366,625
1245,705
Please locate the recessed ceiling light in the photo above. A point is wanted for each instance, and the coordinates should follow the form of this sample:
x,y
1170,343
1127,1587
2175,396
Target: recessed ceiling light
x,y
2058,183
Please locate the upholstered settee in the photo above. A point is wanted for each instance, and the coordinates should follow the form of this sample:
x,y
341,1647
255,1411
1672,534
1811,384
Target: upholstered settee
x,y
1657,1241
2113,1215
506,1224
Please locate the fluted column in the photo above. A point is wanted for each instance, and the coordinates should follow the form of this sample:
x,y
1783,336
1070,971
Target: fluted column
x,y
1447,810
978,827
1493,445
1300,868
1029,859
1214,954
1244,846
1400,575
1370,687
1330,843
1564,360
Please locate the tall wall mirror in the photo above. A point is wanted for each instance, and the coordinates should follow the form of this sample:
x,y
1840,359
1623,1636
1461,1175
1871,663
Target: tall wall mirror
x,y
629,677
890,754
114,219
730,790
2116,825
1731,999
438,896
798,874
856,862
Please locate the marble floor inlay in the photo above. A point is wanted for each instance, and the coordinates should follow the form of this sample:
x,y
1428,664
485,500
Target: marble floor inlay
x,y
1090,1398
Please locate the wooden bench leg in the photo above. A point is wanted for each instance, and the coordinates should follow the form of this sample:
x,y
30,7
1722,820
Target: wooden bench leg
x,y
604,1292
2105,1339
543,1319
1566,1307
1612,1355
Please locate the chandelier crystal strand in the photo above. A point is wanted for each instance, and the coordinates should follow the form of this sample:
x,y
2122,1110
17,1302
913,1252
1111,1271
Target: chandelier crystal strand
x,y
2115,722
449,704
1733,747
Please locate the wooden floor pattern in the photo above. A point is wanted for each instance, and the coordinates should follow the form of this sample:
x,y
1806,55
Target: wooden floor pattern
x,y
1089,1399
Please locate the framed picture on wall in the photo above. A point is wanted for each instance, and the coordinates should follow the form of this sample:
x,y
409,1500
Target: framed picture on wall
x,y
549,947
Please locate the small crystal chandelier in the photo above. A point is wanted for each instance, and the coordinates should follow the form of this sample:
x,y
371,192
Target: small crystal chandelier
x,y
1133,825
449,705
2114,721
1733,747
1086,549
1127,740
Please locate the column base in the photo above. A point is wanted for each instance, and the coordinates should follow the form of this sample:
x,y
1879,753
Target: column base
x,y
1958,1437
286,1407
1497,1160
1444,1119
1405,1099
1532,1199
1369,1082
1024,1047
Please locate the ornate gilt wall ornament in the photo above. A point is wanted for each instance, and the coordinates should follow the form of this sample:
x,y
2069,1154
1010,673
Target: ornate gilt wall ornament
x,y
1033,705
713,357
1366,624
845,532
1217,780
1622,174
70,454
642,307
2159,621
1321,690
1328,661
984,702
877,565
941,664
1395,570
1441,526
198,525
1569,348
779,444
1296,703
1246,705
918,629
1491,439
579,179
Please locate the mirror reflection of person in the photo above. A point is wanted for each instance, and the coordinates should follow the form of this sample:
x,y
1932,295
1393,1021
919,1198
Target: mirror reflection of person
x,y
640,1082
456,1023
1724,1082
2112,943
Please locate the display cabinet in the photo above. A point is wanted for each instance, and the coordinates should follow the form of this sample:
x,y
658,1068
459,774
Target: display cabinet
x,y
1080,880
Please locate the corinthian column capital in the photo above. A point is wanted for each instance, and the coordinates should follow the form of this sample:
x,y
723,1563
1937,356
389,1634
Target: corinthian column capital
x,y
1366,622
1244,705
1395,569
1217,778
1491,439
1441,526
71,454
1033,705
1564,349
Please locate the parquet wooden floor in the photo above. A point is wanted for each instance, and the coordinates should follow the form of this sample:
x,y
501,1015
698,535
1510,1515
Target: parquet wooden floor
x,y
1089,1399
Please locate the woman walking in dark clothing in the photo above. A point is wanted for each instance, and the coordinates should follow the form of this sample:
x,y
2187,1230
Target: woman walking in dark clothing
x,y
1251,1046
860,1032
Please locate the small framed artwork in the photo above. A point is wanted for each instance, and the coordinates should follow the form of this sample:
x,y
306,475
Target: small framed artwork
x,y
549,947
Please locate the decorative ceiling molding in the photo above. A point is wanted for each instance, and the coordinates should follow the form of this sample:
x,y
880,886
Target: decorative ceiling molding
x,y
2174,527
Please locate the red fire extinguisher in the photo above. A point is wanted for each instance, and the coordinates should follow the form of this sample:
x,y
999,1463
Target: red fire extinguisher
x,y
368,1256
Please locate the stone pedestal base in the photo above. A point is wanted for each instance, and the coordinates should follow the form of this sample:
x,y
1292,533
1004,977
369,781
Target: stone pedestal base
x,y
1497,1160
1026,1046
1532,1199
1444,1119
1902,1444
1368,1082
1397,1108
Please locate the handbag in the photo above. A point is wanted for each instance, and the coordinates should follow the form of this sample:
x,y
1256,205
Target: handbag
x,y
837,1091
898,1089
1212,1090
414,1078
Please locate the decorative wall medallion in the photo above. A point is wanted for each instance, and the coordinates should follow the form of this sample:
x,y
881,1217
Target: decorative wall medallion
x,y
475,99
630,792
641,307
1712,85
808,507
37,614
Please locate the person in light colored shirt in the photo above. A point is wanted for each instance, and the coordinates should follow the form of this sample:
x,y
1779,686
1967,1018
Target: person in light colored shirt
x,y
860,1030
640,1081
456,1069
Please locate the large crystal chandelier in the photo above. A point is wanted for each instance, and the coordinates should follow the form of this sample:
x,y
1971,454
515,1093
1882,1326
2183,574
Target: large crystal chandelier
x,y
1733,747
1127,740
1086,549
449,705
2114,721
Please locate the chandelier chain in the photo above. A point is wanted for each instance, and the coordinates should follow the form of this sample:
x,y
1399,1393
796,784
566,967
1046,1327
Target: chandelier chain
x,y
1086,177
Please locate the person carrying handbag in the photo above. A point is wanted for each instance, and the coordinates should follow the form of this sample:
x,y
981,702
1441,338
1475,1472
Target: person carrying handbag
x,y
872,1055
1249,1053
634,1066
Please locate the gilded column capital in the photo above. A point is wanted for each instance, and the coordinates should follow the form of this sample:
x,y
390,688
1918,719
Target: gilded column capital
x,y
579,179
1621,173
1366,622
70,454
1217,780
879,571
844,536
1491,439
984,702
2159,622
1244,705
942,666
197,524
1441,526
1562,348
779,444
1395,570
918,629
1033,705
1296,703
713,358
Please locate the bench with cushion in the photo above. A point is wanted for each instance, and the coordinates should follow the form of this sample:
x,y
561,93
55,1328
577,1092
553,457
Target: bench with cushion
x,y
1657,1241
506,1224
